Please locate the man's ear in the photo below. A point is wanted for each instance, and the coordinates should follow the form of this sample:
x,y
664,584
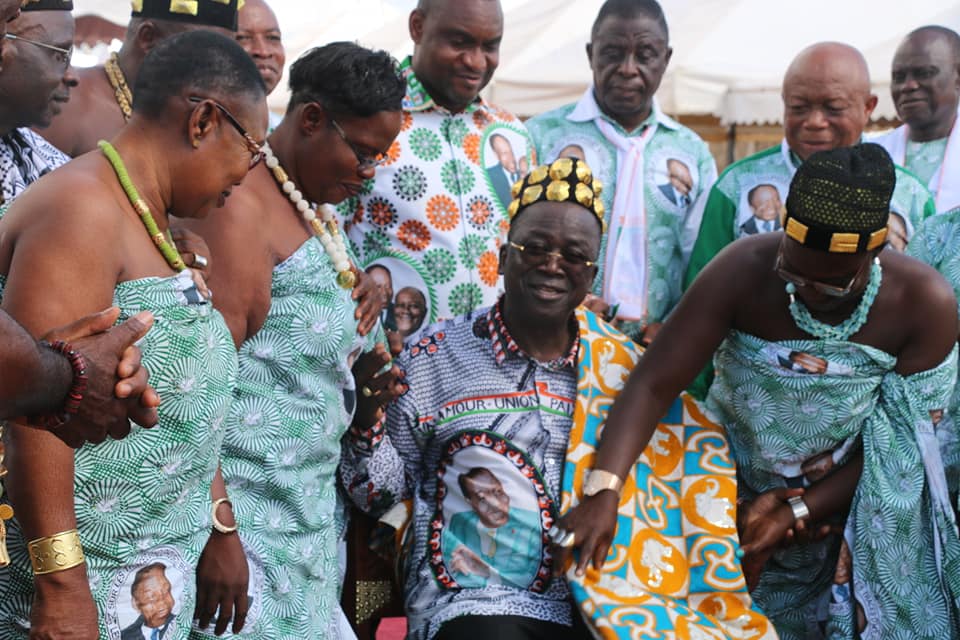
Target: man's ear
x,y
313,117
148,36
415,25
502,258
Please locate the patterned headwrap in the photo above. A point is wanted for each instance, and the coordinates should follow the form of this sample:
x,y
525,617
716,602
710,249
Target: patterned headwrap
x,y
213,13
839,200
46,5
566,180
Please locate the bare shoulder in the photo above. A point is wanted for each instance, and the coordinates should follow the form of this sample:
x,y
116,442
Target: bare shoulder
x,y
926,303
741,266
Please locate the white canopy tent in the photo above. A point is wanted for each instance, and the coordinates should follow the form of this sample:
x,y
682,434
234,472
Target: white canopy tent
x,y
729,55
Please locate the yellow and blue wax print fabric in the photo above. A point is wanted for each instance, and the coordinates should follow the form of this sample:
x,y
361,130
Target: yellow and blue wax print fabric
x,y
672,570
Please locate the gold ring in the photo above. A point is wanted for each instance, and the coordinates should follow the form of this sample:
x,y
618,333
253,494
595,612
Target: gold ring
x,y
365,390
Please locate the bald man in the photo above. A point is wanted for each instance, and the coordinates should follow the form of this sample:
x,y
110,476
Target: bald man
x,y
100,104
258,32
826,104
925,84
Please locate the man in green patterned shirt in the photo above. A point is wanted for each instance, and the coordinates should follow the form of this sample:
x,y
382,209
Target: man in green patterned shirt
x,y
619,130
925,85
826,105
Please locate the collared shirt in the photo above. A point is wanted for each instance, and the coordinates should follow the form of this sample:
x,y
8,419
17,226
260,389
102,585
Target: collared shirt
x,y
729,208
435,212
673,219
477,406
25,157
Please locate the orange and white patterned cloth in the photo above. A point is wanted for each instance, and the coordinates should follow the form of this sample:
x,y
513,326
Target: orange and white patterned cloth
x,y
672,570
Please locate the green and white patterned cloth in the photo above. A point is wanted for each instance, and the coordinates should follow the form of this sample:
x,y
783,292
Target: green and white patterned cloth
x,y
925,158
144,501
936,243
672,217
435,212
295,398
794,411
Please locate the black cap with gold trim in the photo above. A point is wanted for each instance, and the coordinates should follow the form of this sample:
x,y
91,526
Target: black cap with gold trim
x,y
213,13
46,5
839,200
566,180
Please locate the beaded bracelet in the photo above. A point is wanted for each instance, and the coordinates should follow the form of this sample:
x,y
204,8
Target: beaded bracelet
x,y
77,388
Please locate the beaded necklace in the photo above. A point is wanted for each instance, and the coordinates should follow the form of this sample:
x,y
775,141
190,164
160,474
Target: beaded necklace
x,y
164,244
843,331
324,227
119,83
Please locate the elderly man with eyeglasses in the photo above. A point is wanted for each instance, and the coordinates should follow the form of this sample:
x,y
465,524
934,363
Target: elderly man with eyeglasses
x,y
35,84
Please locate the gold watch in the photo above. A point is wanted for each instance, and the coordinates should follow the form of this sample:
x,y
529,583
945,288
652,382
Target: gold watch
x,y
598,480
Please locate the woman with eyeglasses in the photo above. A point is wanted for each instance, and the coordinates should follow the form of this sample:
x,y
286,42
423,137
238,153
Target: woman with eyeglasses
x,y
834,361
106,543
300,314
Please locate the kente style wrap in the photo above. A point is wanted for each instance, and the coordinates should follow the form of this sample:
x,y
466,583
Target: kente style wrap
x,y
839,200
566,180
213,13
672,569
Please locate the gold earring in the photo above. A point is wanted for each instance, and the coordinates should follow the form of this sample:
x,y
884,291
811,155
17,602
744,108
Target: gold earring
x,y
196,143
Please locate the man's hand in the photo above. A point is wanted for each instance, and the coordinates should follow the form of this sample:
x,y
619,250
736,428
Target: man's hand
x,y
596,304
369,301
63,608
465,561
764,524
117,384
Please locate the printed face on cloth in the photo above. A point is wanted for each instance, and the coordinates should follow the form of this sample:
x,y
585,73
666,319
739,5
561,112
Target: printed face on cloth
x,y
556,222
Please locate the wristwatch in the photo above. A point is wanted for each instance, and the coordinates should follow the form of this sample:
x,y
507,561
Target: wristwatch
x,y
598,480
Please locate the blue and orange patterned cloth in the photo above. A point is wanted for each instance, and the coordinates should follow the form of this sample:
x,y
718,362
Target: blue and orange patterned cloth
x,y
672,570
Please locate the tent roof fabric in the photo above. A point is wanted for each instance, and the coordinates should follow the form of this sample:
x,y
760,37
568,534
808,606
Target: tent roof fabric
x,y
728,61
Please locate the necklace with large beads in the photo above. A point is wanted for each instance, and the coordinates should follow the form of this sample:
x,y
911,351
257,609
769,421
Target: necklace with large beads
x,y
121,91
843,331
325,226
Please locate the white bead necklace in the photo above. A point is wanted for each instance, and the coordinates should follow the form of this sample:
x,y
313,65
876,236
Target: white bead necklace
x,y
325,227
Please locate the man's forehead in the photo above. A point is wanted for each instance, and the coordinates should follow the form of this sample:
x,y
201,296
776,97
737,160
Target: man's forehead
x,y
923,48
637,27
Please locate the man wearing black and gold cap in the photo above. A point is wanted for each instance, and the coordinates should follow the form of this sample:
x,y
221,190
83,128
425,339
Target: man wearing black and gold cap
x,y
35,85
101,103
834,362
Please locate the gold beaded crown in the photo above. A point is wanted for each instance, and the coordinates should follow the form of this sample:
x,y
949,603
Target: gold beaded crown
x,y
839,200
213,13
566,180
46,5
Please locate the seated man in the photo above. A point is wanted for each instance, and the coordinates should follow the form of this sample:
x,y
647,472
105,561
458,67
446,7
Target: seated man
x,y
830,394
487,429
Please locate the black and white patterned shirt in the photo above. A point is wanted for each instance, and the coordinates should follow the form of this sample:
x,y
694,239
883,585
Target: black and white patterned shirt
x,y
478,443
25,157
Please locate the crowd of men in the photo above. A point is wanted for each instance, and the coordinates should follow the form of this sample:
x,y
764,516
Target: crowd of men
x,y
427,308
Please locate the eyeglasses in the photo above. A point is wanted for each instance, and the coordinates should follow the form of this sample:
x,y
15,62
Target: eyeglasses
x,y
364,162
63,55
537,255
254,147
820,287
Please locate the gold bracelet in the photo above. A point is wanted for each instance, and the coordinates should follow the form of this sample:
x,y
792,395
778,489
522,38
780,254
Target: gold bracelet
x,y
219,526
58,552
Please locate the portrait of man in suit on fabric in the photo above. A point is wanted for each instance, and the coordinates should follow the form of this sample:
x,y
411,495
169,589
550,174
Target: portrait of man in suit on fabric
x,y
506,171
765,203
152,597
491,543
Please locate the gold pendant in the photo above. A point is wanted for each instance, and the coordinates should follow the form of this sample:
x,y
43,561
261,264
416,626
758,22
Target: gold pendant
x,y
347,279
6,512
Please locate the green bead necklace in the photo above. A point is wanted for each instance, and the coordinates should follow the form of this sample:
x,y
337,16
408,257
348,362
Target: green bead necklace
x,y
843,331
164,242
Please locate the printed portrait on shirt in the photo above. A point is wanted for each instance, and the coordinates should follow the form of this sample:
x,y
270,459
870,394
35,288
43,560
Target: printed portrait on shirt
x,y
506,158
400,281
761,205
676,177
490,525
148,596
